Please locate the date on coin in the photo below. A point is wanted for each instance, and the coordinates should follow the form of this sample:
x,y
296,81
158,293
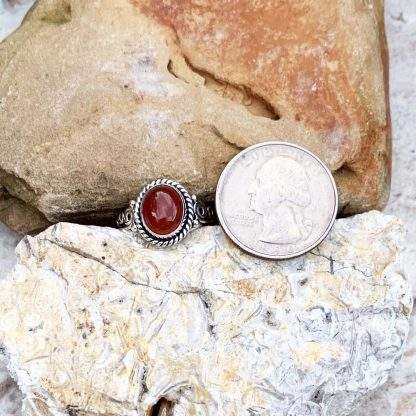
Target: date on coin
x,y
276,200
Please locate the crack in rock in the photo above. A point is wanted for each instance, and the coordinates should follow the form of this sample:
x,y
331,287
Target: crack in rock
x,y
282,339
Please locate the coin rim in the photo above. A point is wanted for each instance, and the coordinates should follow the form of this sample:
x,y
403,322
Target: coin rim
x,y
222,220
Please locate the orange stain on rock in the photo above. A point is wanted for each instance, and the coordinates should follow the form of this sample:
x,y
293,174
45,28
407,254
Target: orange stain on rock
x,y
298,57
285,52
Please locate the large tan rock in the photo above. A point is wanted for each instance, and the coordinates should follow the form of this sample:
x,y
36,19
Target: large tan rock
x,y
98,97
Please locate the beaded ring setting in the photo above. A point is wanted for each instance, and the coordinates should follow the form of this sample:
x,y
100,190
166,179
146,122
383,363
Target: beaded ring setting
x,y
164,213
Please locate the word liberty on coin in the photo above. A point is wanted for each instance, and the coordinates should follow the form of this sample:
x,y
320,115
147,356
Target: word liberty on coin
x,y
276,200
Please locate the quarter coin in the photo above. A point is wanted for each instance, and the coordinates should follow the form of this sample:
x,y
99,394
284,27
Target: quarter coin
x,y
276,200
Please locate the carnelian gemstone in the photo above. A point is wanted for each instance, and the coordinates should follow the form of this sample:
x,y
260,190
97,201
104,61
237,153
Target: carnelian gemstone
x,y
162,209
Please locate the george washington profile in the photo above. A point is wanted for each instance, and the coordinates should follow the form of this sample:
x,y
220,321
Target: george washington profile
x,y
280,194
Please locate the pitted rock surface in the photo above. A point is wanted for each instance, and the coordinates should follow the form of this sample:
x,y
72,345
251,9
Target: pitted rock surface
x,y
96,322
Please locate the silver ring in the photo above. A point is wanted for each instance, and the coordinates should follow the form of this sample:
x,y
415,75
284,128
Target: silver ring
x,y
188,213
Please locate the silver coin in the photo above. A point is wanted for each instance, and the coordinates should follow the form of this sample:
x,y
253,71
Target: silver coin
x,y
276,200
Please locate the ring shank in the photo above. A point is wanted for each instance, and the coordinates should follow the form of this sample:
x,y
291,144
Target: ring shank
x,y
205,211
125,218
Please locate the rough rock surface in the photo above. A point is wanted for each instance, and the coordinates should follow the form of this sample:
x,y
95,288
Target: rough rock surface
x,y
99,97
402,27
398,396
10,397
8,241
95,323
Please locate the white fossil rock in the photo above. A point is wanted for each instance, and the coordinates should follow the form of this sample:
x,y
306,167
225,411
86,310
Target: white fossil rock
x,y
96,323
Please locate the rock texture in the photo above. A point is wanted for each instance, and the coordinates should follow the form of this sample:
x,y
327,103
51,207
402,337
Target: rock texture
x,y
402,28
398,396
10,396
8,241
99,97
95,323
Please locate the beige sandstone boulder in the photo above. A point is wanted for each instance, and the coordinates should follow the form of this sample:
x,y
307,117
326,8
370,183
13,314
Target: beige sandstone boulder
x,y
95,323
99,97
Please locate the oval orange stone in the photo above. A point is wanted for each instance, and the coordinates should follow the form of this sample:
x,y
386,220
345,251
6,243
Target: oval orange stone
x,y
162,209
